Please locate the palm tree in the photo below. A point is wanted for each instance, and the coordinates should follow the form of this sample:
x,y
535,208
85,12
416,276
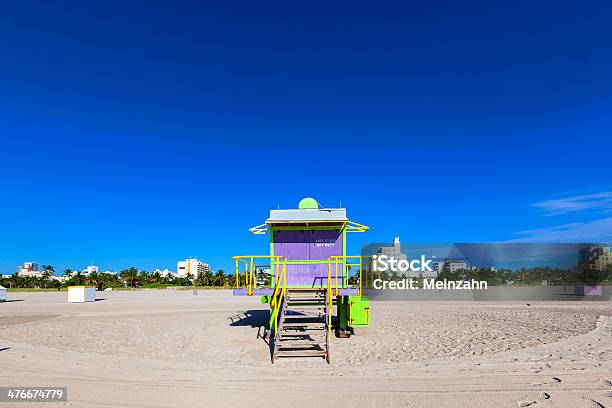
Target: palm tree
x,y
219,278
78,277
108,280
46,274
199,280
48,268
94,280
130,276
189,277
208,278
231,280
15,280
156,277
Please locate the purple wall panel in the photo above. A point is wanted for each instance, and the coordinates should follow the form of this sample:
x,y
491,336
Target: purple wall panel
x,y
307,245
324,244
291,244
307,275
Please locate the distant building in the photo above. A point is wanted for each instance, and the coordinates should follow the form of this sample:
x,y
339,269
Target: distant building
x,y
263,277
29,269
392,251
166,273
191,266
90,269
437,266
452,265
596,257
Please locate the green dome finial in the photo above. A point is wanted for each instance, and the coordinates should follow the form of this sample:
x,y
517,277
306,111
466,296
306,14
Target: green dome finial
x,y
308,204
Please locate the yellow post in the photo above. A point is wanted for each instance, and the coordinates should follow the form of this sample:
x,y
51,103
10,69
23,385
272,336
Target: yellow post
x,y
237,283
360,268
336,288
329,299
250,278
246,277
285,278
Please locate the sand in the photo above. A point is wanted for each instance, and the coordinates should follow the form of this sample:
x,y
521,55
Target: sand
x,y
168,348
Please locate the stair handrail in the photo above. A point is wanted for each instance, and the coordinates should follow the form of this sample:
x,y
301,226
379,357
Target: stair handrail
x,y
278,296
328,305
328,301
277,334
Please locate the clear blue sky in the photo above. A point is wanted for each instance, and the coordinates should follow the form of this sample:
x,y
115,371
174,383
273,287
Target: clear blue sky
x,y
139,135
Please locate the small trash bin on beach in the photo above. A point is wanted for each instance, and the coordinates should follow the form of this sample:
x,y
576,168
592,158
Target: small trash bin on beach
x,y
2,294
81,294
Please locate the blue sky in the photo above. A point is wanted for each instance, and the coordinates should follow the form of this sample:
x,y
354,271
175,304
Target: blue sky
x,y
137,135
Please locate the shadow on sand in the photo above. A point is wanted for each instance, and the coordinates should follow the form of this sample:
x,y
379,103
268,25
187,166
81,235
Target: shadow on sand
x,y
12,300
257,319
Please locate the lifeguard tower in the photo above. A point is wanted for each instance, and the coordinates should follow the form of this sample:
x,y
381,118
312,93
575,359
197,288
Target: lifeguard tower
x,y
309,271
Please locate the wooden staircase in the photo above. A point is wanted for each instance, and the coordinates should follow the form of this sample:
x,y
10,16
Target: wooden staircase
x,y
302,327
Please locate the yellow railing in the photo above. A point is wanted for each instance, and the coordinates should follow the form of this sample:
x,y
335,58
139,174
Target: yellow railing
x,y
342,264
329,300
250,269
280,290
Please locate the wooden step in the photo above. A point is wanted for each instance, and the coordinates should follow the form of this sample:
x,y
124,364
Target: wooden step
x,y
316,337
312,315
296,323
301,316
305,296
301,344
302,328
305,308
306,299
301,353
307,290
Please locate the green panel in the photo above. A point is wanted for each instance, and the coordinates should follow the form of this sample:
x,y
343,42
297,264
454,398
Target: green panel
x,y
342,305
359,311
272,264
344,275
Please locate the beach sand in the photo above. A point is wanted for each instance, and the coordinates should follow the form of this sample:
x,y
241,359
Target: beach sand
x,y
166,348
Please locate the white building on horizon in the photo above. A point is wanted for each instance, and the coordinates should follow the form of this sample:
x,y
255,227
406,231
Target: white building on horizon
x,y
191,266
29,269
263,276
166,273
394,251
597,257
453,265
90,269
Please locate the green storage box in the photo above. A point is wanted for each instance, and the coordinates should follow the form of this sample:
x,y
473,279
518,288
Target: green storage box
x,y
359,311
